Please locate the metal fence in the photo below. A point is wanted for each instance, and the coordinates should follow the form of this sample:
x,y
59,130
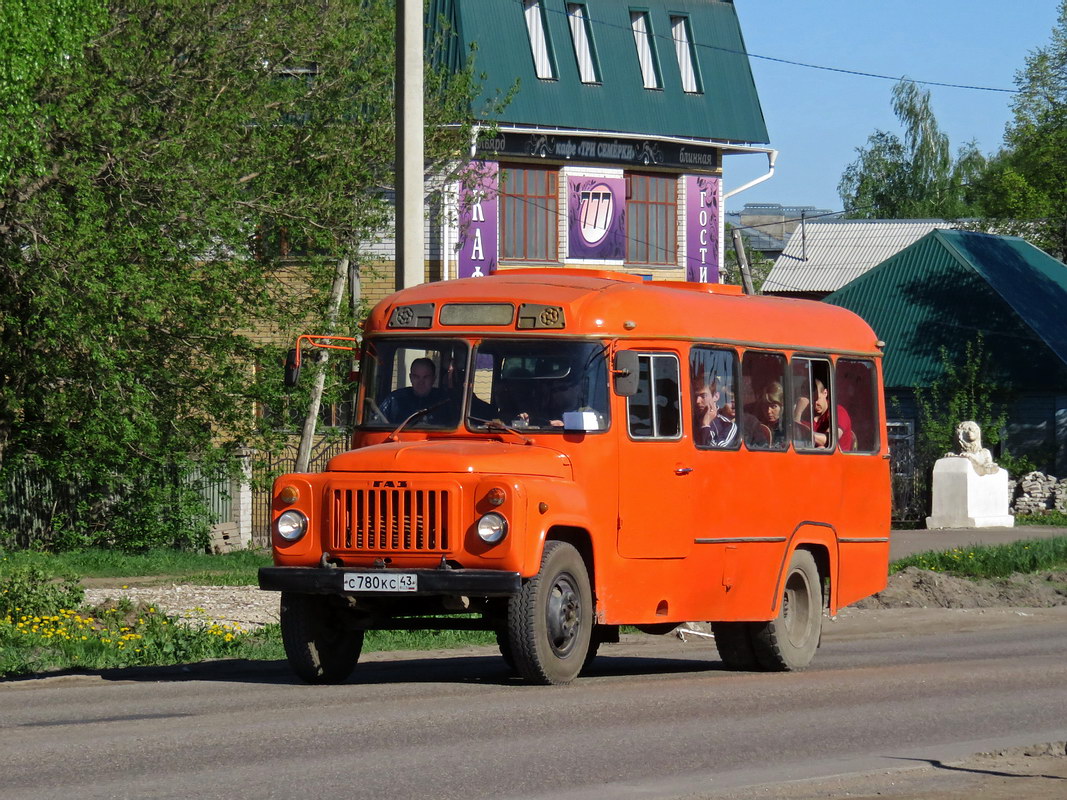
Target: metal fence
x,y
266,471
34,505
909,492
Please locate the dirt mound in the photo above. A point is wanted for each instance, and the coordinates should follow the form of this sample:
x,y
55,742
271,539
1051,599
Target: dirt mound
x,y
920,588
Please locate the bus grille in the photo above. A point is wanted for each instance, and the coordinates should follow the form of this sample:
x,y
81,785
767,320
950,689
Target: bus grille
x,y
392,520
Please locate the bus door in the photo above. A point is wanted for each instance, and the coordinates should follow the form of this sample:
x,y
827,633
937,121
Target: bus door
x,y
655,488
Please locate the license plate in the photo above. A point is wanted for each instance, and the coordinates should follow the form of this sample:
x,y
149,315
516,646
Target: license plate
x,y
380,582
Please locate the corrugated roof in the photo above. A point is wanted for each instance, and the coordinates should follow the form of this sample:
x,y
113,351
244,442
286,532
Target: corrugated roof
x,y
726,109
824,255
948,287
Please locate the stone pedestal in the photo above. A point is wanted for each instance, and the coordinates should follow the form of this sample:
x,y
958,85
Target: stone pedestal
x,y
964,499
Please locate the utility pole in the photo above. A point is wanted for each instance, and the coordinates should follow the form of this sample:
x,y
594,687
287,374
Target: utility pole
x,y
742,261
410,161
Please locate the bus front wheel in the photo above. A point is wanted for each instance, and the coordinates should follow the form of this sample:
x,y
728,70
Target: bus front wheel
x,y
550,620
789,641
320,647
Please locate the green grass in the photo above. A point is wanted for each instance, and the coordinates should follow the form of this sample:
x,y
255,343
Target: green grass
x,y
1056,519
45,626
995,561
229,569
424,640
123,636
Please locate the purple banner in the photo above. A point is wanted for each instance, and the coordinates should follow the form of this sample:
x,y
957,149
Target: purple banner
x,y
476,256
596,218
702,228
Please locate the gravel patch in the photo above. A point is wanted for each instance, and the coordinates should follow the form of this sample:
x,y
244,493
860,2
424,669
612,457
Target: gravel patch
x,y
246,606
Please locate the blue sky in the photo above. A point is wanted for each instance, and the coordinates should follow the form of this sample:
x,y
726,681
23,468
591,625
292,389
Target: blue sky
x,y
816,119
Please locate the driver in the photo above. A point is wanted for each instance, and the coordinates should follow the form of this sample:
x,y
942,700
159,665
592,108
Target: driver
x,y
402,403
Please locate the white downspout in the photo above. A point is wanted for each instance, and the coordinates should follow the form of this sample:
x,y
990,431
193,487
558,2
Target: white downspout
x,y
772,156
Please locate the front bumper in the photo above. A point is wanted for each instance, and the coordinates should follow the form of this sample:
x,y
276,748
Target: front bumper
x,y
444,582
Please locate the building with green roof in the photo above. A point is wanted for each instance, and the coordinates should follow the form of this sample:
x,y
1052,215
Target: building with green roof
x,y
951,286
609,150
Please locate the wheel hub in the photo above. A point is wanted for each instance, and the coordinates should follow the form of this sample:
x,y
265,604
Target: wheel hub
x,y
563,615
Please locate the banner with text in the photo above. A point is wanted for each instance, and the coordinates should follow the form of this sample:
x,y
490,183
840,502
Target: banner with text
x,y
477,248
702,228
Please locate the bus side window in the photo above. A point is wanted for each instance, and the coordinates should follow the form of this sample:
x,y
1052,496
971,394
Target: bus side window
x,y
857,396
765,412
813,399
652,413
713,380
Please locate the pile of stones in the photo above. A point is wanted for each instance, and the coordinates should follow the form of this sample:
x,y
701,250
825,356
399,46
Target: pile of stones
x,y
1036,493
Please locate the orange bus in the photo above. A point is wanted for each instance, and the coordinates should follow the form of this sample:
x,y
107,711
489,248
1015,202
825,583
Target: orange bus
x,y
550,454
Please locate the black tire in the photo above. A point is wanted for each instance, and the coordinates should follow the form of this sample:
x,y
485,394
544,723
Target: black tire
x,y
733,640
319,645
550,620
590,654
504,643
789,641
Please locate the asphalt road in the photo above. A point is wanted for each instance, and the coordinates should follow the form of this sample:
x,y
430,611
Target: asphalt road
x,y
658,718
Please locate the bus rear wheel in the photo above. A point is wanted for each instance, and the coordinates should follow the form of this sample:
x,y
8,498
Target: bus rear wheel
x,y
789,641
320,647
550,620
733,640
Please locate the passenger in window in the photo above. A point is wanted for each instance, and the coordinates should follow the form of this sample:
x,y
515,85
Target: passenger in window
x,y
820,425
711,428
421,394
763,418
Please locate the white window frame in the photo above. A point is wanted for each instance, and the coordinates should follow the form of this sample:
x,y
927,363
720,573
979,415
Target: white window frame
x,y
539,44
646,50
578,17
683,50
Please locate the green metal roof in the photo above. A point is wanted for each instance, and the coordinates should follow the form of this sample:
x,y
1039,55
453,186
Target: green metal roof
x,y
949,286
727,109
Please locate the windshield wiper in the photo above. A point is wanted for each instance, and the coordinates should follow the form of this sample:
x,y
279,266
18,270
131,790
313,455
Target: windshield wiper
x,y
498,425
421,412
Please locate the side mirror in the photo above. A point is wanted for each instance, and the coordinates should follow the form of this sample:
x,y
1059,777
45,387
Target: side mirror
x,y
626,373
292,368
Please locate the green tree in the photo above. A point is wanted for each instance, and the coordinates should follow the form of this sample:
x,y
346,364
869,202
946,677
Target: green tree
x,y
894,178
174,146
966,389
39,37
759,267
1024,190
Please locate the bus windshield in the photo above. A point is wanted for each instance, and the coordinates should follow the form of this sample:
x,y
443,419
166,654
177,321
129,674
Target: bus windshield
x,y
406,377
530,384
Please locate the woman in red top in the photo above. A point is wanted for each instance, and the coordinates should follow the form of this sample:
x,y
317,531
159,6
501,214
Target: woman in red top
x,y
821,424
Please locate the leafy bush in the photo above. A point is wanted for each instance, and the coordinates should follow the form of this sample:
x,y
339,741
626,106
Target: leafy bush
x,y
31,590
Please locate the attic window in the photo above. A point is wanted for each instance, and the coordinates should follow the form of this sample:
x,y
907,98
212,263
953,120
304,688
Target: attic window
x,y
683,49
578,17
646,51
539,47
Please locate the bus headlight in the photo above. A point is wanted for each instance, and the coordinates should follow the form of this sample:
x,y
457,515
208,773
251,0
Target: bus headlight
x,y
291,525
492,528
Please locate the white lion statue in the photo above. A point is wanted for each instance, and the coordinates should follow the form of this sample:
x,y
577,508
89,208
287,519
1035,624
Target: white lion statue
x,y
969,439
